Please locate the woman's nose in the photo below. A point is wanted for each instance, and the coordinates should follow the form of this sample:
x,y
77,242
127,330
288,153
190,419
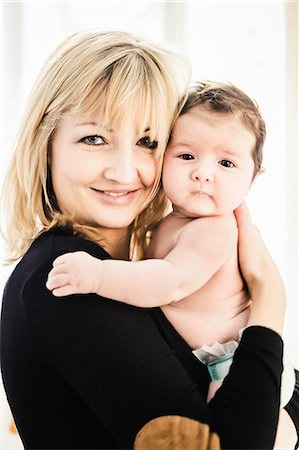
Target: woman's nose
x,y
122,168
203,174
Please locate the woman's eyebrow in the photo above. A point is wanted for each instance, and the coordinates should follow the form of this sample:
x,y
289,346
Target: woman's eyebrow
x,y
85,123
94,124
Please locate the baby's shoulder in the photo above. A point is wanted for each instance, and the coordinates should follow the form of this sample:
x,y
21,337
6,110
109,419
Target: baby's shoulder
x,y
165,236
211,229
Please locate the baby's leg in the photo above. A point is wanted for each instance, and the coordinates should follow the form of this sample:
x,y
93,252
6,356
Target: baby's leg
x,y
75,273
286,436
213,388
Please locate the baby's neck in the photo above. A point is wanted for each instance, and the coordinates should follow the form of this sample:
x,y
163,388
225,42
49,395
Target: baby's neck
x,y
185,214
182,213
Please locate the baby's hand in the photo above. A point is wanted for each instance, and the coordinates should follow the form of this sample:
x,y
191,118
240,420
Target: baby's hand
x,y
75,273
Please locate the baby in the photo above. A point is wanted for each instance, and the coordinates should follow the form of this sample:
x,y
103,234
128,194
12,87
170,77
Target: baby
x,y
192,273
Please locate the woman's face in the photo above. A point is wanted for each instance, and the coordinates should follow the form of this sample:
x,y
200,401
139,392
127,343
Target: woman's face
x,y
102,176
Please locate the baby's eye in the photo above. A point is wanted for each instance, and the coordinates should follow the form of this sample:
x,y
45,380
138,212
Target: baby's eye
x,y
148,143
226,163
186,156
93,140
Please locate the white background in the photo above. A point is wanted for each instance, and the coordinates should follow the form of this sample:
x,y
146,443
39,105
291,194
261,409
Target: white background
x,y
251,44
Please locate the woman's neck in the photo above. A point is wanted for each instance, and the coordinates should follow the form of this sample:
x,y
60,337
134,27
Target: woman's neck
x,y
116,242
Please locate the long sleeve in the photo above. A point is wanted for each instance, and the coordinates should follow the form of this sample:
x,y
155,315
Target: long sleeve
x,y
117,362
88,372
250,394
244,410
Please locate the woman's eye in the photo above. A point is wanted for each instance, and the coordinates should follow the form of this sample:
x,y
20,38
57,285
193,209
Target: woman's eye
x,y
226,163
148,143
93,140
186,156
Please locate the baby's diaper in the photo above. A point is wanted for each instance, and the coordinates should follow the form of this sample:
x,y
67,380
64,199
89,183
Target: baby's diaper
x,y
218,359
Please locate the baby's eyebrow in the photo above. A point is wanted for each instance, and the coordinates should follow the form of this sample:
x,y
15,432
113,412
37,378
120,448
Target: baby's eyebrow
x,y
174,143
230,152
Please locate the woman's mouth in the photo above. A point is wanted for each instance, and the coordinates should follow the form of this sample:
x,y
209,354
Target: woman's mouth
x,y
116,197
115,194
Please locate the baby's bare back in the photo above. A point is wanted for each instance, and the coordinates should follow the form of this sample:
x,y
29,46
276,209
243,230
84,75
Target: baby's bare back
x,y
219,309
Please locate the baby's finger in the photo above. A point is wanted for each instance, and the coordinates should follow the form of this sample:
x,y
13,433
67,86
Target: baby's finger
x,y
57,281
58,270
60,260
63,291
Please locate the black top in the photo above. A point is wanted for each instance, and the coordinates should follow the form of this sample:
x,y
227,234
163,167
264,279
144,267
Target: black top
x,y
84,372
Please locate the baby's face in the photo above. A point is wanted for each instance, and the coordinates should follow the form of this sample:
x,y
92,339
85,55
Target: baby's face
x,y
208,166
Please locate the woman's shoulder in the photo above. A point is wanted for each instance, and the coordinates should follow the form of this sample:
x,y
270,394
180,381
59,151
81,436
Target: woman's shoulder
x,y
38,259
54,242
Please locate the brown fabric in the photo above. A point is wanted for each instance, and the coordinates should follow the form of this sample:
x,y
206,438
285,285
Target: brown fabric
x,y
176,433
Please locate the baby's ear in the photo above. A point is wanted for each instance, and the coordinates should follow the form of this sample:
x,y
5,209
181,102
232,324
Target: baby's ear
x,y
260,172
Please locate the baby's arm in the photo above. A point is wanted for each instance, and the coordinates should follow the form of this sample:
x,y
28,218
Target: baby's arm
x,y
202,248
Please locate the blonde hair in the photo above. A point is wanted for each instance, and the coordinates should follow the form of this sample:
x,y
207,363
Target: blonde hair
x,y
111,70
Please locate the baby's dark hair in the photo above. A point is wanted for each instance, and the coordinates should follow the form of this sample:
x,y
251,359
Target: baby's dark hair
x,y
225,98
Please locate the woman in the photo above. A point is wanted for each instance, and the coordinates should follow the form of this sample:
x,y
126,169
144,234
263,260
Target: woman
x,y
85,176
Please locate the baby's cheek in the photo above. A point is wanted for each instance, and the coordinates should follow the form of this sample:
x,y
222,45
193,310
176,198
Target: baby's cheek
x,y
232,197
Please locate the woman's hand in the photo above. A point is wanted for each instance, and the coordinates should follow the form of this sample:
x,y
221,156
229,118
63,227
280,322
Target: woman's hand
x,y
264,282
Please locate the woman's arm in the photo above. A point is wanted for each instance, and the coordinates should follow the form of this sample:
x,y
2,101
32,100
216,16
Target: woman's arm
x,y
269,299
115,358
261,275
203,246
266,318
